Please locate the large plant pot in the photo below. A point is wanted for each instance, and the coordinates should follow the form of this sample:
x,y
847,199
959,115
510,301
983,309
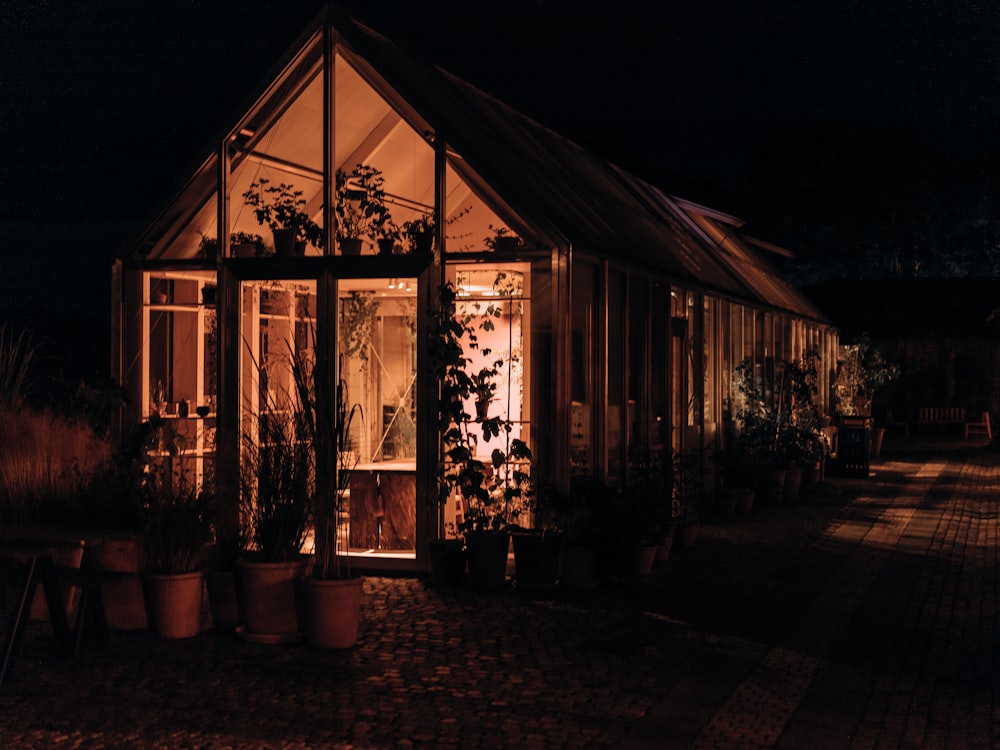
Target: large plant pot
x,y
64,556
771,486
745,502
487,553
330,610
642,558
878,435
579,569
174,604
268,590
227,611
793,483
536,560
447,558
123,597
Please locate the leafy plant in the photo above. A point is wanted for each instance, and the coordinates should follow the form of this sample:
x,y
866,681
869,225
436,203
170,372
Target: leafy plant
x,y
860,374
328,426
176,517
501,238
277,479
494,492
281,206
361,210
419,234
359,316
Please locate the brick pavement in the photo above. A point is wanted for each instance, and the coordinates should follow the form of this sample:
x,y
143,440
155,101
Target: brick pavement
x,y
864,617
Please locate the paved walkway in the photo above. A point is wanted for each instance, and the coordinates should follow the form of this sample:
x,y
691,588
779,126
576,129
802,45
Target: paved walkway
x,y
862,617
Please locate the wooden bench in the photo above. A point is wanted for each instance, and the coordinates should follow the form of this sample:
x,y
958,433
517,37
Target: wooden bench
x,y
942,415
982,427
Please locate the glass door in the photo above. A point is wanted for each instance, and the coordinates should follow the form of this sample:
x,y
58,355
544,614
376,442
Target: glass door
x,y
378,369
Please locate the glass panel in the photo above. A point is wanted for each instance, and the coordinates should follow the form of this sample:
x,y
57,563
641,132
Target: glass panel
x,y
378,354
659,382
179,364
581,370
616,379
494,303
638,408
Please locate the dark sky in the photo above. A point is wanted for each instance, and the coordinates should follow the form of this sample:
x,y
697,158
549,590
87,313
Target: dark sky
x,y
108,104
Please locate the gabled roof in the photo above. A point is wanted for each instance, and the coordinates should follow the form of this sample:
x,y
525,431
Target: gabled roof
x,y
565,195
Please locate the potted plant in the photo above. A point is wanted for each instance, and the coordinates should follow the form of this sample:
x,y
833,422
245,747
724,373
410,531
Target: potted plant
x,y
282,208
493,493
502,239
483,387
361,210
388,237
330,597
175,530
418,235
538,546
247,245
276,495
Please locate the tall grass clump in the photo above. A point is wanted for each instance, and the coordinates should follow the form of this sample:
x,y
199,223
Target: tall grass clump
x,y
17,353
48,463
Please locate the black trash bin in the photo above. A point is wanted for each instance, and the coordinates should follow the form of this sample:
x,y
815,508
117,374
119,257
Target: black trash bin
x,y
854,445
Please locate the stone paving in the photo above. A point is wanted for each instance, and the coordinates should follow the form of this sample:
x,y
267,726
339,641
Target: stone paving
x,y
863,616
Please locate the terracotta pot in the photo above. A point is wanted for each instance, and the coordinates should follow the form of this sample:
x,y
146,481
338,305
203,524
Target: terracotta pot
x,y
227,611
68,556
536,559
385,246
123,597
666,545
878,435
642,559
351,246
793,483
727,502
268,590
330,610
174,604
447,559
487,554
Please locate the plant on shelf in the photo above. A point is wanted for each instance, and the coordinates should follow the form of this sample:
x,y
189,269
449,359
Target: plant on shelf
x,y
282,208
361,210
483,386
419,235
253,243
501,238
388,237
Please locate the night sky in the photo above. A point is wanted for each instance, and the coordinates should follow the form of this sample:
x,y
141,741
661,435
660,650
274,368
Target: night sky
x,y
108,105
